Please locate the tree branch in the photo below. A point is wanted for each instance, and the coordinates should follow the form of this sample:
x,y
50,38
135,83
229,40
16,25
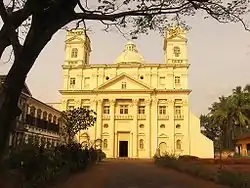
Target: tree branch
x,y
90,15
15,19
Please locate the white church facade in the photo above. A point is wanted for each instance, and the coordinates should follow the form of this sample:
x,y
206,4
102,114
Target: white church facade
x,y
141,107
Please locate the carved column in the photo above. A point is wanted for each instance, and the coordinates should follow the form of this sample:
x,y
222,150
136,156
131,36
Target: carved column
x,y
112,125
134,141
99,119
148,128
154,126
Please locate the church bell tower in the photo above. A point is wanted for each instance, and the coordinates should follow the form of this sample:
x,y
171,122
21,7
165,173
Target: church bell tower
x,y
77,47
175,46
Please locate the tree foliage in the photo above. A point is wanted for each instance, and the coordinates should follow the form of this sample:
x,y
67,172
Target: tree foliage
x,y
76,120
230,115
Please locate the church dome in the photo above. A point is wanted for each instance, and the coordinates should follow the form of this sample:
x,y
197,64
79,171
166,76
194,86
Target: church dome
x,y
130,54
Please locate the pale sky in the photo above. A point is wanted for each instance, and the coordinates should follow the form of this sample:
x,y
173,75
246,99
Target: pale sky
x,y
219,57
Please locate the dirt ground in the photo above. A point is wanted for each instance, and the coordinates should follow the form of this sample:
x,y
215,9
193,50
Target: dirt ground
x,y
133,174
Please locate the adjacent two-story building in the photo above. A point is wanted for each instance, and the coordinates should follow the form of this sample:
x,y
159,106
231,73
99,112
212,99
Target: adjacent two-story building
x,y
38,123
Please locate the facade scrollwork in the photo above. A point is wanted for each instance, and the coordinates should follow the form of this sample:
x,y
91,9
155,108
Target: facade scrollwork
x,y
100,100
135,102
185,102
93,101
155,100
170,102
112,101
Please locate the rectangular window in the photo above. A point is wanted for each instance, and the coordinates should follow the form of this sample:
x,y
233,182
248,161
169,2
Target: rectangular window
x,y
124,85
85,107
106,109
177,110
123,109
177,79
71,107
162,80
162,110
72,82
86,82
141,110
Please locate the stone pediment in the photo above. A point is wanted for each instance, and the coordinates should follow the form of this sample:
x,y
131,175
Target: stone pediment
x,y
74,39
163,136
105,134
131,83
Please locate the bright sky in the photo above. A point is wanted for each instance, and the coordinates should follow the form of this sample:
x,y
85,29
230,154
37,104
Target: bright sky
x,y
219,57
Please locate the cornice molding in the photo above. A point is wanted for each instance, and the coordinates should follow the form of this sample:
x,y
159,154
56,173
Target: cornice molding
x,y
159,65
185,91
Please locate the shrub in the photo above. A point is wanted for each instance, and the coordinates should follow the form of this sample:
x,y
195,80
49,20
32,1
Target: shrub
x,y
198,169
39,165
234,179
188,158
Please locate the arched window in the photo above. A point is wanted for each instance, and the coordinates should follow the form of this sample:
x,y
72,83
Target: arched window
x,y
177,51
74,52
54,119
141,143
163,149
178,144
105,143
178,126
44,115
39,113
50,118
32,111
162,126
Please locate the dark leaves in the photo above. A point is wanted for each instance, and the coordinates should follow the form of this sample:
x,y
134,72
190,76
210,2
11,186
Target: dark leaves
x,y
78,119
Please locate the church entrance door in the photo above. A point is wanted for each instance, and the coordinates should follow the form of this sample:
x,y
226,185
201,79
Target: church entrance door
x,y
123,148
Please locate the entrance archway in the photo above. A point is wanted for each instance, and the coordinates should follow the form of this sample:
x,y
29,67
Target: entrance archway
x,y
163,148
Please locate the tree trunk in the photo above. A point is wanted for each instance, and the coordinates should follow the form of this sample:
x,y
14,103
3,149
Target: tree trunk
x,y
39,35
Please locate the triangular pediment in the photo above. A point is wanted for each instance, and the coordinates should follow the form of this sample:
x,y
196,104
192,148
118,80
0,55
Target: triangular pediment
x,y
116,83
74,39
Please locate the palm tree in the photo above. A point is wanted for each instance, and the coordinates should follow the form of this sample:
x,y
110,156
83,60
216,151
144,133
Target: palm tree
x,y
221,115
240,104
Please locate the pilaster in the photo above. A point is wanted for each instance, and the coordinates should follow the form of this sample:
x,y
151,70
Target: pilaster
x,y
154,127
78,103
135,130
172,128
148,128
99,119
92,130
185,125
112,125
63,105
